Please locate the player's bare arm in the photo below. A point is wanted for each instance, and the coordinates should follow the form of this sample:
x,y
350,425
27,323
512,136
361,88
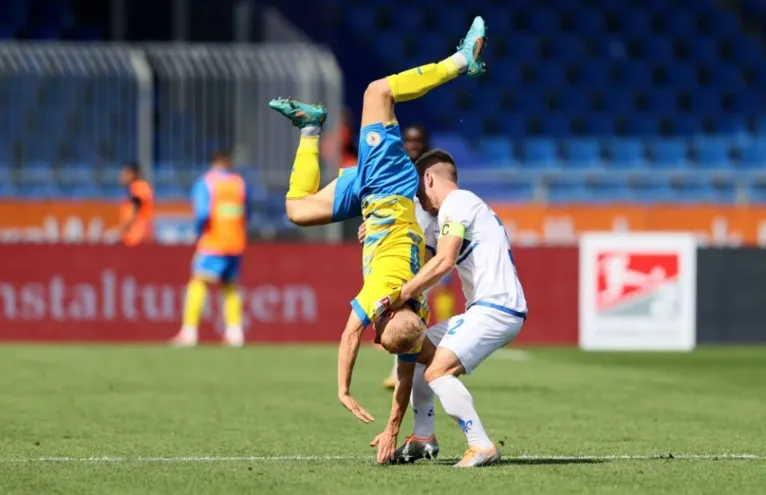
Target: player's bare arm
x,y
347,352
386,441
447,251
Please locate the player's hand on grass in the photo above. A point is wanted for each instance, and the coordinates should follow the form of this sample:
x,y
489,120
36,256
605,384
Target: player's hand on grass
x,y
386,444
352,405
361,233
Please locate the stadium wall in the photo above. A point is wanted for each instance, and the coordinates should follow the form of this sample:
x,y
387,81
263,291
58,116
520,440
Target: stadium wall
x,y
110,293
102,293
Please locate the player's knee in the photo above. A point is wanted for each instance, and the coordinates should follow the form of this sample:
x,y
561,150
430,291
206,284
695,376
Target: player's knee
x,y
297,212
377,91
434,372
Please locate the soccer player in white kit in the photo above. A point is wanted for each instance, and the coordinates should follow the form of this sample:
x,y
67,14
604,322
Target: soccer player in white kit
x,y
472,238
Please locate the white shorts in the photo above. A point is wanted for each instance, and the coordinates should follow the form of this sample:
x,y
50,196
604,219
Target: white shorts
x,y
475,334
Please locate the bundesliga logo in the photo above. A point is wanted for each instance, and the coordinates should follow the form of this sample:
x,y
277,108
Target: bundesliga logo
x,y
633,284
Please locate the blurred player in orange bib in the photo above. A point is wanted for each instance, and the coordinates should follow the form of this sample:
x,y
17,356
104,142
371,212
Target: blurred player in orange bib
x,y
221,210
137,211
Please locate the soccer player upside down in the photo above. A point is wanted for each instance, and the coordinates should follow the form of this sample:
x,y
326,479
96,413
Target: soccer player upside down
x,y
382,186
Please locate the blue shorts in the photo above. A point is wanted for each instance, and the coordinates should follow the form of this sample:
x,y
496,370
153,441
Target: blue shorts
x,y
215,268
347,203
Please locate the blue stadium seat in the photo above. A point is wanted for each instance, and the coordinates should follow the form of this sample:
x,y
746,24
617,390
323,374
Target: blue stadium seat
x,y
753,155
538,153
516,191
609,189
712,153
171,192
626,153
463,154
7,190
652,190
668,153
581,153
757,192
76,173
568,189
80,191
36,173
113,192
496,150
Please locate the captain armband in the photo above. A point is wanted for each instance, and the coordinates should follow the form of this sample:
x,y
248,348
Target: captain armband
x,y
453,228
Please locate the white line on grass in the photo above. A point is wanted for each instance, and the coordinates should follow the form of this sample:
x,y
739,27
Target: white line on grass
x,y
276,458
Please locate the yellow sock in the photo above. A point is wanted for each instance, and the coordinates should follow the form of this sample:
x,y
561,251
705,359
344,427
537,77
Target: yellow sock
x,y
304,180
414,83
196,293
232,306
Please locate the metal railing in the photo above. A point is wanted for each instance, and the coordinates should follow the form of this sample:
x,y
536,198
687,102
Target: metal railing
x,y
167,106
64,104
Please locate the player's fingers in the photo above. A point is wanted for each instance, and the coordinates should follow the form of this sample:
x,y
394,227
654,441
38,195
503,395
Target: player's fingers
x,y
367,416
375,441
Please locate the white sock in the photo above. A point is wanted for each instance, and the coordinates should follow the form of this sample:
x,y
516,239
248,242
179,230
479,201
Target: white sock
x,y
311,131
394,371
189,332
460,61
458,403
422,404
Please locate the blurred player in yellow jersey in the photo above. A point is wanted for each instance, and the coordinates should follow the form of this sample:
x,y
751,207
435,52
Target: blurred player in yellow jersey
x,y
382,186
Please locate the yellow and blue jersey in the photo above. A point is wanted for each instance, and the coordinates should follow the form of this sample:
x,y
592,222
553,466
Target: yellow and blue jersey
x,y
381,187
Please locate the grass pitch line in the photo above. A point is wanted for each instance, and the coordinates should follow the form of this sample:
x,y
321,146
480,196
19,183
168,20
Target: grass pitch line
x,y
300,458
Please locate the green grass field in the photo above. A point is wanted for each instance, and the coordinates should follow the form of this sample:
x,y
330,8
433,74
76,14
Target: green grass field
x,y
266,420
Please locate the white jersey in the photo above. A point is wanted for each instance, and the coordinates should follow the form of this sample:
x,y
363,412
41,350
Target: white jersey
x,y
429,225
485,263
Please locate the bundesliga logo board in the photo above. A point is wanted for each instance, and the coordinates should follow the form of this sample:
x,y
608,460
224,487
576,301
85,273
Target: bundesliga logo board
x,y
637,291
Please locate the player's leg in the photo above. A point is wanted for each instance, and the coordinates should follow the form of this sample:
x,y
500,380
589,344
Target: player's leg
x,y
465,345
305,204
422,444
390,381
414,83
206,270
234,335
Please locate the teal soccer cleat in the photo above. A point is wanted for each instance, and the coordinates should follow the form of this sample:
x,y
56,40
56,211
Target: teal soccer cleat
x,y
300,114
472,45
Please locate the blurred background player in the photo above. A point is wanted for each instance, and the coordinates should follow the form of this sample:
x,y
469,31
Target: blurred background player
x,y
221,206
138,209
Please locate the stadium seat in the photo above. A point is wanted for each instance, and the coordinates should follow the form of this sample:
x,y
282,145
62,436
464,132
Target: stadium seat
x,y
495,150
753,155
581,153
652,190
626,153
668,153
757,192
36,173
538,153
712,153
516,191
608,188
567,189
